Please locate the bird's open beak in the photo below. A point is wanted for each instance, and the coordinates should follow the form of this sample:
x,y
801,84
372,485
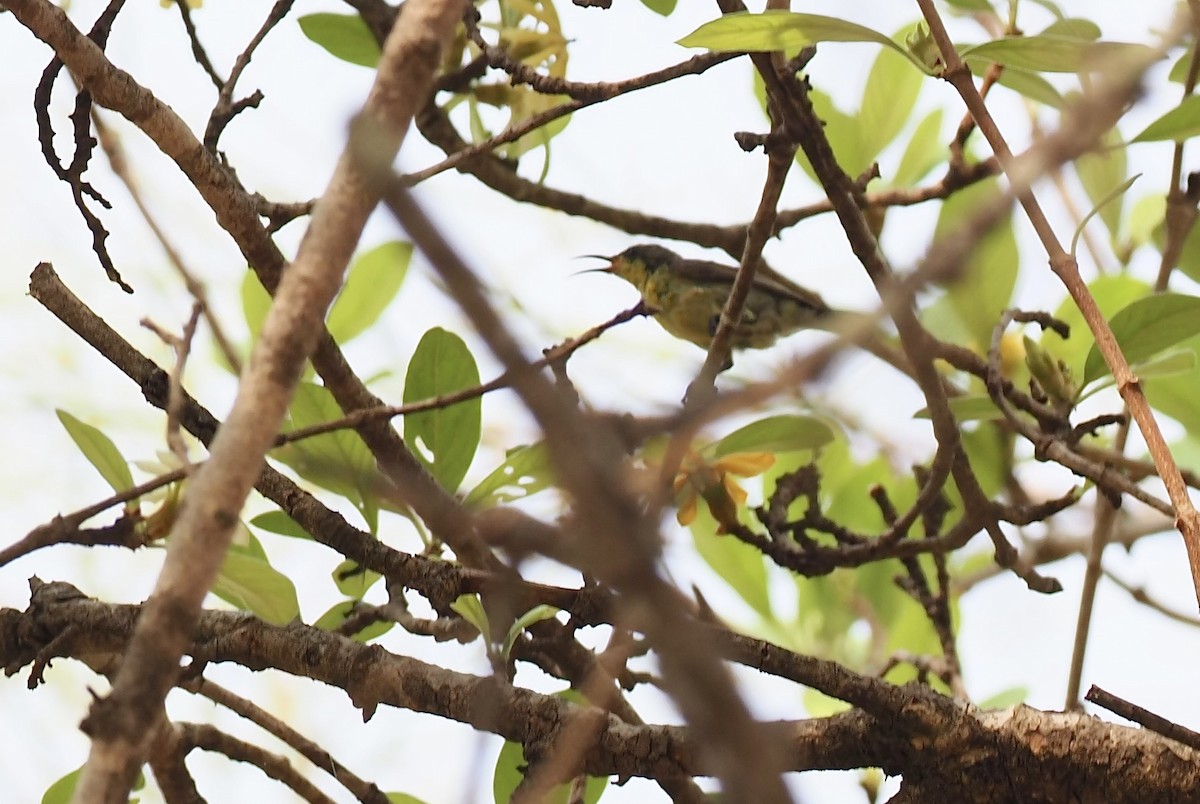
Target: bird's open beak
x,y
605,270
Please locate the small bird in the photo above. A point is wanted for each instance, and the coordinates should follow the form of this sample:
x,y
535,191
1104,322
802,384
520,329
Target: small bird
x,y
687,296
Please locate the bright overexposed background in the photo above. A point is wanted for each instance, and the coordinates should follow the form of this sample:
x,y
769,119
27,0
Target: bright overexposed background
x,y
666,151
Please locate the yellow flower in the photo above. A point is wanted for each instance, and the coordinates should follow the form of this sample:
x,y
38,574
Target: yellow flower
x,y
714,481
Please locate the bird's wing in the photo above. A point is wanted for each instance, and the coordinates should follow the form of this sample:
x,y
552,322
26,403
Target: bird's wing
x,y
705,271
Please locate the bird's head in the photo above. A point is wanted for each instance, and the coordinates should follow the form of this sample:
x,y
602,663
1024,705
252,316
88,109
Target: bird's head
x,y
637,264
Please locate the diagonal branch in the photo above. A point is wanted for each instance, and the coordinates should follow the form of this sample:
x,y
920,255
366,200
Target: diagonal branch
x,y
1089,118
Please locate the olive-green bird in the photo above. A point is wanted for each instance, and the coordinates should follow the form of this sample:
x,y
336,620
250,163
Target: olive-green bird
x,y
686,297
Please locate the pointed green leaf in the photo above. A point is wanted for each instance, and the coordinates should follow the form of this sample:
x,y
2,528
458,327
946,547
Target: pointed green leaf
x,y
510,772
1189,256
338,461
444,439
1106,201
925,151
781,30
1145,217
249,582
345,36
63,790
526,470
1167,365
888,101
1179,124
1099,172
99,450
819,705
1112,293
255,303
470,608
1028,85
340,612
983,289
534,615
1005,698
1179,70
783,433
1049,53
1073,28
354,581
1147,327
845,134
280,523
663,7
371,284
1176,396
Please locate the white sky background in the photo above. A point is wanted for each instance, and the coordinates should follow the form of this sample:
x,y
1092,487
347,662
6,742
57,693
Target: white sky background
x,y
667,151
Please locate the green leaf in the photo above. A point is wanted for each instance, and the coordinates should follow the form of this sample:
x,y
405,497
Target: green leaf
x,y
403,798
511,765
1181,123
819,705
663,7
888,101
1176,396
1147,327
971,5
925,151
62,790
985,286
99,450
1028,85
337,614
526,470
1099,172
825,613
1167,365
1146,215
1051,53
255,303
526,104
371,284
1005,698
345,36
470,608
781,30
1179,69
1189,256
1112,293
988,452
845,134
783,433
354,581
1073,28
1053,8
534,615
249,582
1106,201
280,523
443,439
338,461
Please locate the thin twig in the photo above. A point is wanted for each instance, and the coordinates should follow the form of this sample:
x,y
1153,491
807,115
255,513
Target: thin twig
x,y
1144,717
111,145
